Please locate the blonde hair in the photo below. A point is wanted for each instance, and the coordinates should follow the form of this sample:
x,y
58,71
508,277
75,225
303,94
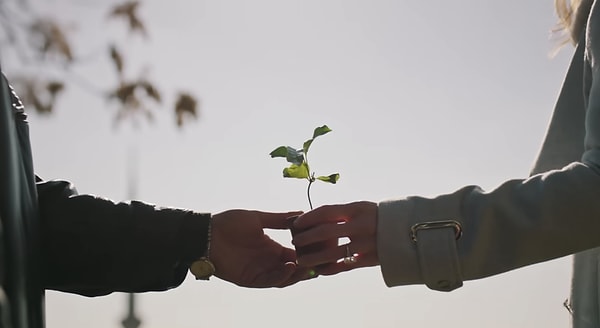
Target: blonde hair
x,y
572,17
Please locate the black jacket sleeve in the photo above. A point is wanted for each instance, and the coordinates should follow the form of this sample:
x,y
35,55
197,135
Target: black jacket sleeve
x,y
93,246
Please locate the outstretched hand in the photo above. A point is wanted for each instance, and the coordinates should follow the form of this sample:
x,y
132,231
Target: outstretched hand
x,y
325,225
244,255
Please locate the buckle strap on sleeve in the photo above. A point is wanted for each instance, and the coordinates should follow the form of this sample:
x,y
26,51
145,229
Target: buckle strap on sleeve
x,y
438,255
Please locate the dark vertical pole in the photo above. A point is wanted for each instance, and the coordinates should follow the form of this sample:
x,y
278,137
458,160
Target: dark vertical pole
x,y
132,321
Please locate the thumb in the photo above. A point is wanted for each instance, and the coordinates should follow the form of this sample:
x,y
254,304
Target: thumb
x,y
276,220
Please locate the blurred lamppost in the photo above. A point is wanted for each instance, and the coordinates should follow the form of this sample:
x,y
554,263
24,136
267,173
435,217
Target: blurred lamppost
x,y
131,320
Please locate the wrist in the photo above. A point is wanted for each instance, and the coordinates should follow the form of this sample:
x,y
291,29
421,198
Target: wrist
x,y
202,267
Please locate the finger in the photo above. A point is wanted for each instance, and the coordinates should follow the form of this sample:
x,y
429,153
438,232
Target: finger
x,y
320,233
322,256
360,247
287,255
271,220
316,247
351,229
336,214
323,214
362,260
334,254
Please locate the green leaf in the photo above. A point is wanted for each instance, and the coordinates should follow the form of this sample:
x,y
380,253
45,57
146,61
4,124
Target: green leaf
x,y
291,155
306,145
333,178
294,156
321,131
279,152
296,171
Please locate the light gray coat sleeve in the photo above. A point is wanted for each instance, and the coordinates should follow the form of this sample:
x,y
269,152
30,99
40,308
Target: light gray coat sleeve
x,y
553,213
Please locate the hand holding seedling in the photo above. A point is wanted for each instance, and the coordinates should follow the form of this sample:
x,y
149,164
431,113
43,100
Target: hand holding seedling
x,y
299,169
316,233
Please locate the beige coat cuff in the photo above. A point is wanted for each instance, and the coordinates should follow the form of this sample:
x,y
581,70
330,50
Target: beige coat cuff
x,y
397,252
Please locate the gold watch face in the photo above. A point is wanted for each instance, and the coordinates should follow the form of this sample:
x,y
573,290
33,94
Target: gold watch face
x,y
202,268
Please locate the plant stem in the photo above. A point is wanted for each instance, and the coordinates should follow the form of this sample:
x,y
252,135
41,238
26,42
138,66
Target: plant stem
x,y
310,181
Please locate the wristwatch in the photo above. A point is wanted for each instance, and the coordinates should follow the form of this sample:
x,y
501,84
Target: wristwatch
x,y
202,268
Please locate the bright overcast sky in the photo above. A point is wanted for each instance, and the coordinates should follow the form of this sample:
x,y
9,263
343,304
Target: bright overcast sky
x,y
424,97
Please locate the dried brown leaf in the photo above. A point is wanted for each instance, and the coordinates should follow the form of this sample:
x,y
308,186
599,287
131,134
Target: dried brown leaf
x,y
135,24
125,93
185,107
52,39
151,91
55,87
131,98
127,8
39,105
37,94
117,59
128,11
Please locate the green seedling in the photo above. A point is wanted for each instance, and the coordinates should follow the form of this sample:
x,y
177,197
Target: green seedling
x,y
299,167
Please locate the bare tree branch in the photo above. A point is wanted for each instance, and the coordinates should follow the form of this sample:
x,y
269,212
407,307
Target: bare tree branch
x,y
43,47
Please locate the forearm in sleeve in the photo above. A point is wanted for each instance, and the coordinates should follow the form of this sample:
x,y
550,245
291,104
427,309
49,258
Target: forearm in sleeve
x,y
93,246
519,223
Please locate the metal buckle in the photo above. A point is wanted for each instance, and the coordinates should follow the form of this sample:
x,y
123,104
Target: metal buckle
x,y
436,225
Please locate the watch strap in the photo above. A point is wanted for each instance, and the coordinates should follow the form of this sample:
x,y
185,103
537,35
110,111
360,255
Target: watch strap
x,y
203,268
